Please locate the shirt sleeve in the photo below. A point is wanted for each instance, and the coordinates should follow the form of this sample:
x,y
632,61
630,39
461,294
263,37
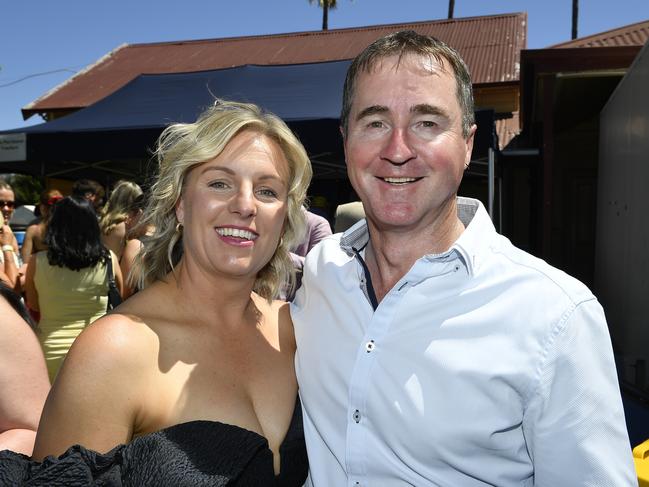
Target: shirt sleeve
x,y
574,422
320,230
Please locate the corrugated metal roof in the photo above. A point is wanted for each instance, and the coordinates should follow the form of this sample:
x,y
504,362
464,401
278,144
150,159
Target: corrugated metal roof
x,y
628,35
490,45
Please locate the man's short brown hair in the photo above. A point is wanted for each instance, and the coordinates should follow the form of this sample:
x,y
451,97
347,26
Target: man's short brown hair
x,y
410,42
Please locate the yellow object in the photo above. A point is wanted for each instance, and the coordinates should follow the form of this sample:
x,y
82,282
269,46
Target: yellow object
x,y
641,460
68,301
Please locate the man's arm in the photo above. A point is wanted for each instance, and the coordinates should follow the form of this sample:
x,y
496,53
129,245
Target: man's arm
x,y
574,423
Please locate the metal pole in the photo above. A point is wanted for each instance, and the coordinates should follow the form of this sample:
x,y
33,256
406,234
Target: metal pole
x,y
491,177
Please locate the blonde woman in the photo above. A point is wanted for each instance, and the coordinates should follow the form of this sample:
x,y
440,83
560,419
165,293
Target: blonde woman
x,y
195,373
115,214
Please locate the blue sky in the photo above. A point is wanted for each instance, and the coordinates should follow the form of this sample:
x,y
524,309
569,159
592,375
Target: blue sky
x,y
61,37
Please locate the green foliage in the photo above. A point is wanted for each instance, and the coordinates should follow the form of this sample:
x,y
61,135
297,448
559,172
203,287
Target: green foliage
x,y
27,189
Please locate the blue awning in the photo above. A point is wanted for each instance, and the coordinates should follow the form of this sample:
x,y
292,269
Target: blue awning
x,y
296,92
117,133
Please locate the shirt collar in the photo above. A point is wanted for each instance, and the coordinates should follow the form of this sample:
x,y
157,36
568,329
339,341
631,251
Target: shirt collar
x,y
472,214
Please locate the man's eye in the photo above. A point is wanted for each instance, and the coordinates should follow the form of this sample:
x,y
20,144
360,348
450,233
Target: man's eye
x,y
428,123
375,124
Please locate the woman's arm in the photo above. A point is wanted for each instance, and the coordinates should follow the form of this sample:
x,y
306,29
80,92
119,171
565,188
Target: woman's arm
x,y
95,399
23,381
31,294
117,273
8,243
131,250
28,243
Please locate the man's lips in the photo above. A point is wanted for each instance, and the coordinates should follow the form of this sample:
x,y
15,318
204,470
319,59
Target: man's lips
x,y
399,181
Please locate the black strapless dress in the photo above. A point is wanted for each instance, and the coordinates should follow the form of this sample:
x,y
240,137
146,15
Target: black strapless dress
x,y
197,453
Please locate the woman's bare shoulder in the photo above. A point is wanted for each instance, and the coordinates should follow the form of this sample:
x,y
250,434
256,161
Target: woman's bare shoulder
x,y
114,342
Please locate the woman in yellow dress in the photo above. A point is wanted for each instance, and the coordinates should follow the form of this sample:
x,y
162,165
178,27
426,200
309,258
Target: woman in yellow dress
x,y
68,284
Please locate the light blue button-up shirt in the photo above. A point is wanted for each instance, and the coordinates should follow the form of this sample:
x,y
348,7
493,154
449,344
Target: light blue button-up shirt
x,y
482,366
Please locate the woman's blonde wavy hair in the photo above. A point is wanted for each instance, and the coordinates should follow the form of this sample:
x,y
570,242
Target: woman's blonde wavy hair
x,y
183,146
119,205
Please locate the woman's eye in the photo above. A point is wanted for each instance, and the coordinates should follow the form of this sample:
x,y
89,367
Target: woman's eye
x,y
267,192
218,185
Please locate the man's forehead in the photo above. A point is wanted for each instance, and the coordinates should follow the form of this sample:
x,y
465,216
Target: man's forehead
x,y
426,62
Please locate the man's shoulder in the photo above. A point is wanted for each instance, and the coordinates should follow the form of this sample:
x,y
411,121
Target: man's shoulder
x,y
544,276
327,249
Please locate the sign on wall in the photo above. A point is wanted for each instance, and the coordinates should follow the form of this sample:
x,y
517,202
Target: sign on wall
x,y
13,147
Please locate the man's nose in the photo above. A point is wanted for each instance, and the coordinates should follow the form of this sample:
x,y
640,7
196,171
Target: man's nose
x,y
397,149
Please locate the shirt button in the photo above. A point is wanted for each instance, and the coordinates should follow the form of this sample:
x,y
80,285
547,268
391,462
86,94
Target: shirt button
x,y
357,416
369,346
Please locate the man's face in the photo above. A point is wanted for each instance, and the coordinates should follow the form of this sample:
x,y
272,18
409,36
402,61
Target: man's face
x,y
7,203
404,146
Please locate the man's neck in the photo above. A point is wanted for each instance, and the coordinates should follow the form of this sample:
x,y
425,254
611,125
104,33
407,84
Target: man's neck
x,y
392,253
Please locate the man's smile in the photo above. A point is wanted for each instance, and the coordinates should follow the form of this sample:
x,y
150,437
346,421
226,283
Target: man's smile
x,y
399,181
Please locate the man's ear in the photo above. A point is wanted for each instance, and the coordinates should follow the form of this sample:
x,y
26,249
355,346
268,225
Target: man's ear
x,y
342,134
469,145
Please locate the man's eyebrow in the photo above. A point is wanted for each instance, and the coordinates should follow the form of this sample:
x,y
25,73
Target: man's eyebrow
x,y
426,109
373,110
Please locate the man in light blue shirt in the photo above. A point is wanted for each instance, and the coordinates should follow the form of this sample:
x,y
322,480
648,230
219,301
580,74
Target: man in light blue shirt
x,y
431,351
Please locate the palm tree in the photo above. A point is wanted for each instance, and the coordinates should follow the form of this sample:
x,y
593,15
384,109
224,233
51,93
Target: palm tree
x,y
575,17
451,7
326,5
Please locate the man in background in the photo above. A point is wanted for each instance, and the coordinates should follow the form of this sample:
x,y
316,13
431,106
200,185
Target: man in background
x,y
90,190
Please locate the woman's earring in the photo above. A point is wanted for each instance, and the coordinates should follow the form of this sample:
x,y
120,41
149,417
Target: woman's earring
x,y
179,227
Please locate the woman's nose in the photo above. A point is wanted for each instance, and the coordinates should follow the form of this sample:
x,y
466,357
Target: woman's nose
x,y
243,202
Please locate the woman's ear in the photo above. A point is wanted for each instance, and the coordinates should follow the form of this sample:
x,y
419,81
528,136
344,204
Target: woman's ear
x,y
180,210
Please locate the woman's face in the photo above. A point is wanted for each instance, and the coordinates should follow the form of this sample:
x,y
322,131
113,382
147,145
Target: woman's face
x,y
233,207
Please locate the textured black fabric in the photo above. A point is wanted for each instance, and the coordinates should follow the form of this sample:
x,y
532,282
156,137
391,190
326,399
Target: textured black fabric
x,y
197,453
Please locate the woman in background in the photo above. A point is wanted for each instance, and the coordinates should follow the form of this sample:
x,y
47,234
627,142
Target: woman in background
x,y
35,234
23,376
114,216
68,284
136,232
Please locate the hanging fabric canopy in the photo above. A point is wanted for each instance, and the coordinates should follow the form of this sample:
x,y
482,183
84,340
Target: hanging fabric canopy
x,y
118,132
